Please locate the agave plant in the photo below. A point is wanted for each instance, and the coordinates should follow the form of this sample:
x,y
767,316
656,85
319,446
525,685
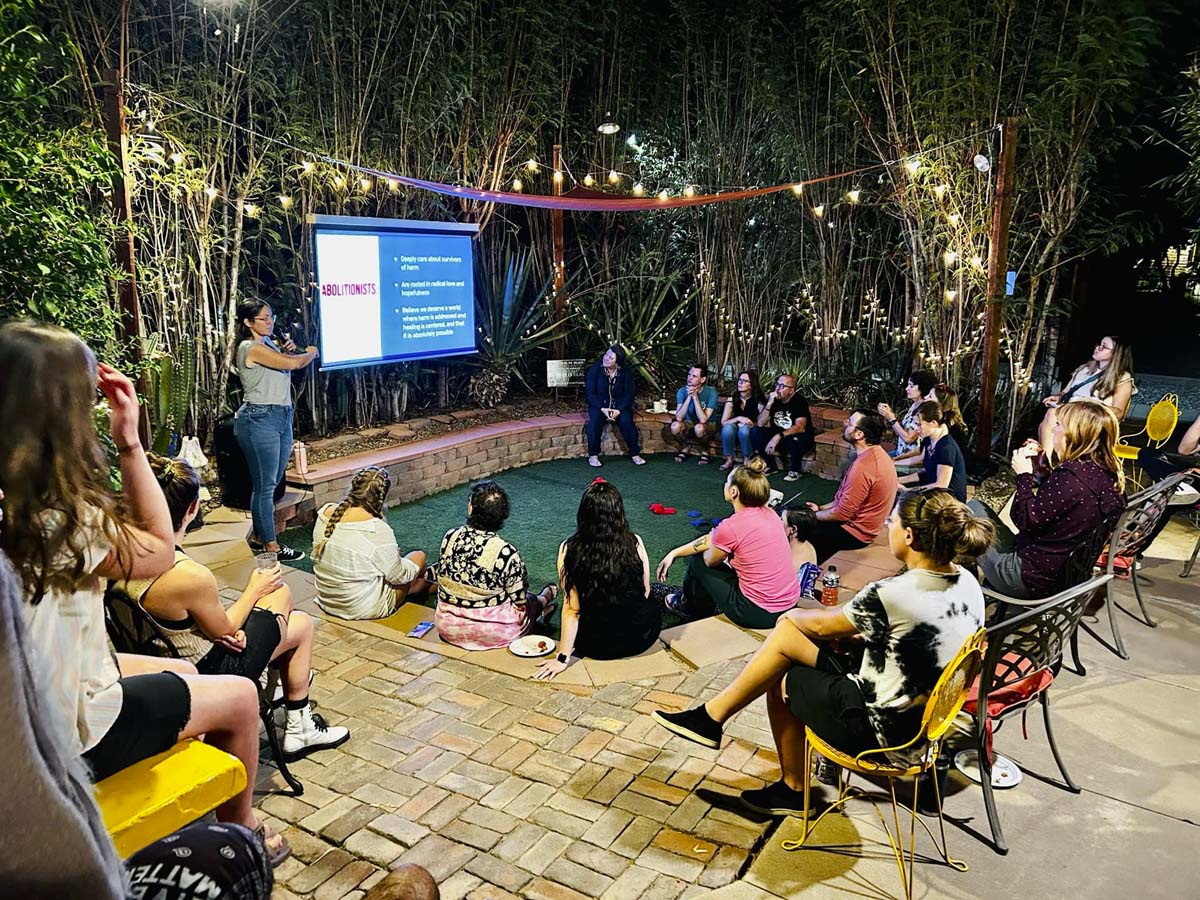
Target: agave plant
x,y
514,317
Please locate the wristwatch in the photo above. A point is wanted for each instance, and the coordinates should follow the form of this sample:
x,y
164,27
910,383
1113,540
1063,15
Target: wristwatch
x,y
563,658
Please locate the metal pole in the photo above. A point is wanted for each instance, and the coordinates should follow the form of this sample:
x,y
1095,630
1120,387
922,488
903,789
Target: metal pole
x,y
996,283
560,269
127,293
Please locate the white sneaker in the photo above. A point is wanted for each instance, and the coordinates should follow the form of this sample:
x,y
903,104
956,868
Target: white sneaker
x,y
638,461
308,733
594,462
792,476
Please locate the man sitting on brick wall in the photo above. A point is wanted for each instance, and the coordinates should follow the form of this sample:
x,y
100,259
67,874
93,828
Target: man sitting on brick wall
x,y
784,427
695,404
863,500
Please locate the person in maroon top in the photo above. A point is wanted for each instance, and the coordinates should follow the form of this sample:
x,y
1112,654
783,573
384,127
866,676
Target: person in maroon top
x,y
1083,491
864,498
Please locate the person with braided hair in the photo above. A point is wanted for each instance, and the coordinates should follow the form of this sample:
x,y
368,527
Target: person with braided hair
x,y
361,573
911,626
258,630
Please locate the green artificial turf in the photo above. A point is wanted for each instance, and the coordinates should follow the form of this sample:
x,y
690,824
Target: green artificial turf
x,y
545,497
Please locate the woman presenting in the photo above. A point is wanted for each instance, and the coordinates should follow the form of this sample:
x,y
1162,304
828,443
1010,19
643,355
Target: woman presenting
x,y
263,424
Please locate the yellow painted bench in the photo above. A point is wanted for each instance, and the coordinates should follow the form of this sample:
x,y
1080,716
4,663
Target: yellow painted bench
x,y
161,794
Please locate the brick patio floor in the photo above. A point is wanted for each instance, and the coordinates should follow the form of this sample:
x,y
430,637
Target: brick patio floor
x,y
505,788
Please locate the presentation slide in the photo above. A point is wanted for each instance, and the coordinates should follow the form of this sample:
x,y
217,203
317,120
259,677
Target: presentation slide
x,y
393,289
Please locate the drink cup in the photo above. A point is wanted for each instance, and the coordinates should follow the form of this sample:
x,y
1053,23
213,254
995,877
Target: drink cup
x,y
266,560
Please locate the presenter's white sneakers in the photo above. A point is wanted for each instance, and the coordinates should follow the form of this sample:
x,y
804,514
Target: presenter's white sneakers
x,y
638,461
594,462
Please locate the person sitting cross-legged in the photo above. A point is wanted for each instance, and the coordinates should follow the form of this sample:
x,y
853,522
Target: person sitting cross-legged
x,y
361,573
743,568
855,515
695,403
258,630
784,427
908,627
484,600
610,397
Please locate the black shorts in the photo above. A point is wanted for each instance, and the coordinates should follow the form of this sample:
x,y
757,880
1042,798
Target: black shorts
x,y
154,710
264,631
831,703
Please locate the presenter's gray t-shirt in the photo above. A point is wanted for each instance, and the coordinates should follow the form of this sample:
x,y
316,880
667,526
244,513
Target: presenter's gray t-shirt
x,y
261,384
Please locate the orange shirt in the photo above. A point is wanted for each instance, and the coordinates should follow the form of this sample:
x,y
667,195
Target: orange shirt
x,y
866,494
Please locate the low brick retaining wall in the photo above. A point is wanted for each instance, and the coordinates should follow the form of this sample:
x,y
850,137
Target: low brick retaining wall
x,y
420,468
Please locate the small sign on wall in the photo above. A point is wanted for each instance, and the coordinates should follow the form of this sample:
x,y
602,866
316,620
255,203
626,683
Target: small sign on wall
x,y
561,373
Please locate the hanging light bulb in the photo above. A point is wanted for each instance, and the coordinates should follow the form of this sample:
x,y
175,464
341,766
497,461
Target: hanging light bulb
x,y
558,176
588,180
797,188
251,210
854,195
532,167
364,184
638,190
285,201
393,185
689,191
663,195
913,165
210,193
940,190
609,125
613,177
339,181
819,210
307,166
176,157
949,257
516,185
977,261
951,295
953,218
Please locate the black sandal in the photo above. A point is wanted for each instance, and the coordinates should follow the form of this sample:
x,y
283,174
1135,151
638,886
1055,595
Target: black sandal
x,y
681,456
703,460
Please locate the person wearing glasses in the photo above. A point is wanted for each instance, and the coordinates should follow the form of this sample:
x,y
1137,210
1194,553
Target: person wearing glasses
x,y
740,417
263,424
784,427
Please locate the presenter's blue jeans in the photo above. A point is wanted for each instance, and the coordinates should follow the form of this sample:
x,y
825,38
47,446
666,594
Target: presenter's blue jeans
x,y
264,432
595,430
732,434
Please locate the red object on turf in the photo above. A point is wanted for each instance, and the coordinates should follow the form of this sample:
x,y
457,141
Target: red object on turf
x,y
656,508
668,511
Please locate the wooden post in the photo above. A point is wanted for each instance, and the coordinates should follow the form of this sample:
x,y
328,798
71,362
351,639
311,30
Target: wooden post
x,y
996,284
560,269
127,293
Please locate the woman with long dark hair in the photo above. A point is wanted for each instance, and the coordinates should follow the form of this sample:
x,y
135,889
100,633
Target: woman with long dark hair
x,y
605,575
263,425
65,533
740,417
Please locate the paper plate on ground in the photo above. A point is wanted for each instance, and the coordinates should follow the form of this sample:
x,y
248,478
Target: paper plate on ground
x,y
532,645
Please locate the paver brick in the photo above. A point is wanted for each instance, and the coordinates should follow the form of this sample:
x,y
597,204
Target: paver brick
x,y
631,884
505,792
441,856
686,845
344,881
688,813
515,755
533,797
496,871
541,889
600,860
605,829
323,817
581,809
423,802
630,764
610,786
471,835
344,826
724,868
458,885
398,828
445,812
636,836
643,806
461,784
669,863
493,819
577,877
494,749
491,892
373,847
320,871
543,852
559,821
305,847
659,791
515,844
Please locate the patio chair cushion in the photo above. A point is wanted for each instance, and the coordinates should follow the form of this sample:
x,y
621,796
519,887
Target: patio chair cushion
x,y
1014,694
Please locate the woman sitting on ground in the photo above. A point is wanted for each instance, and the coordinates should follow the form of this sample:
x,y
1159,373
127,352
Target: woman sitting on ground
x,y
260,628
799,522
912,625
1084,491
942,462
605,575
906,428
65,532
1107,377
483,587
360,571
742,568
740,417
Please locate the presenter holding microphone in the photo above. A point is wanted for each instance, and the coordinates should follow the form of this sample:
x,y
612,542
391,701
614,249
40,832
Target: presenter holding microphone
x,y
263,424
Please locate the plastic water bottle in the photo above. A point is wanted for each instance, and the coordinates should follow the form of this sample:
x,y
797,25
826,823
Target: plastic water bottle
x,y
829,586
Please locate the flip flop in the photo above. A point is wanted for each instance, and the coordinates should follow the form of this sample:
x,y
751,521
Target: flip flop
x,y
282,850
676,603
550,604
703,460
681,456
726,466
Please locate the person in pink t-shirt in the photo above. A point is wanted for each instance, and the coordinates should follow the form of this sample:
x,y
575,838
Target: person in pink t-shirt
x,y
743,568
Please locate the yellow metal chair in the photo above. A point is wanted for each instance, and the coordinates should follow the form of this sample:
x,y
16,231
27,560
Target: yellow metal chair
x,y
1160,425
944,704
